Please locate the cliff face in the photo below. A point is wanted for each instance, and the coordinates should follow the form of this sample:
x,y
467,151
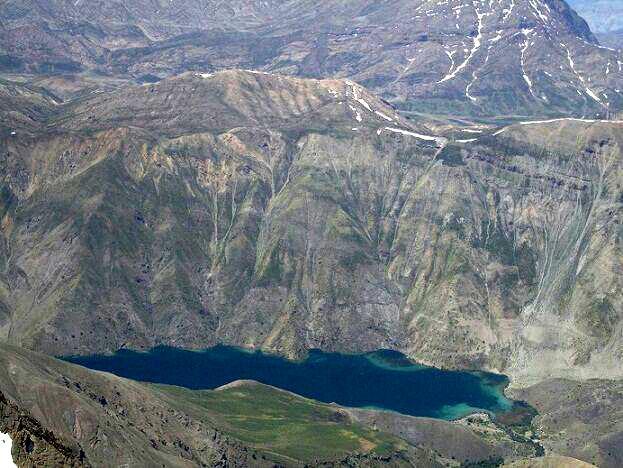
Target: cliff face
x,y
288,214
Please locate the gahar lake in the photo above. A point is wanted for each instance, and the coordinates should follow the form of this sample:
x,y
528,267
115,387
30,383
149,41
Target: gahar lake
x,y
382,379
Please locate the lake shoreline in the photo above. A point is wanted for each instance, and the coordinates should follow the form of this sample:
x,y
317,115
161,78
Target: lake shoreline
x,y
383,379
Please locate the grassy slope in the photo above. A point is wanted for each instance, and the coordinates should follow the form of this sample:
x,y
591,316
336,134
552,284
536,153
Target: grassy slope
x,y
286,425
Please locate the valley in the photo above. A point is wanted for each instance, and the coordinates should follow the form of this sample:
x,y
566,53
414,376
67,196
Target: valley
x,y
290,233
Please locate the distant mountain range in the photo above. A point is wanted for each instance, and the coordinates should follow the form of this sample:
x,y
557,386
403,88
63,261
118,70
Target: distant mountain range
x,y
605,18
602,15
487,58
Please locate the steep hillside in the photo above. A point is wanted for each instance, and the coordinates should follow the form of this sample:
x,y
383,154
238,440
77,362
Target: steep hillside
x,y
288,214
580,419
23,108
482,57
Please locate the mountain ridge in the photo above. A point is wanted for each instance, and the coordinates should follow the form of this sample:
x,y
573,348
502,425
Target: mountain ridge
x,y
530,57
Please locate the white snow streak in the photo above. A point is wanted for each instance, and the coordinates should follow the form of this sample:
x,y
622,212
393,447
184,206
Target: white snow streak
x,y
357,96
526,44
475,48
588,91
571,119
508,11
561,119
438,140
380,114
358,117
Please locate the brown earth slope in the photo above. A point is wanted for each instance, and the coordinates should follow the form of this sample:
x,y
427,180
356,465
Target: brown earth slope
x,y
285,214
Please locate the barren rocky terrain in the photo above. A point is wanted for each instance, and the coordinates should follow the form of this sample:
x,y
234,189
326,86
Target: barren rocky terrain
x,y
487,58
285,214
440,178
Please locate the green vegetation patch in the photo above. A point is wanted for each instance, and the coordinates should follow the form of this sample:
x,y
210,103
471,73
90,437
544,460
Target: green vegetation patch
x,y
284,424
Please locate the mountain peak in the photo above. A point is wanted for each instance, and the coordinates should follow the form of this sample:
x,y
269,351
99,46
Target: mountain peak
x,y
220,101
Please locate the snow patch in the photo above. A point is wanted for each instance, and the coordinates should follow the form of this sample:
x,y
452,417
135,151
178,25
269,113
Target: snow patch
x,y
524,48
6,459
380,114
358,117
561,119
571,119
475,49
588,90
509,10
357,95
438,140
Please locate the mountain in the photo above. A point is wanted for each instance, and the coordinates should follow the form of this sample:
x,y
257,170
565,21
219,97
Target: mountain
x,y
289,175
486,58
286,214
612,39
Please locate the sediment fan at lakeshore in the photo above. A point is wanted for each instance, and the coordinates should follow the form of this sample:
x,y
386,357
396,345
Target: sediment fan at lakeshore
x,y
478,57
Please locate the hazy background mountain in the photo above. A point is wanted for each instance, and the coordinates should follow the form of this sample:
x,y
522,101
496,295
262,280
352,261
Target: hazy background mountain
x,y
605,18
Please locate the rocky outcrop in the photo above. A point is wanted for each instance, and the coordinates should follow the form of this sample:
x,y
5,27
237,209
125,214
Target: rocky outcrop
x,y
35,446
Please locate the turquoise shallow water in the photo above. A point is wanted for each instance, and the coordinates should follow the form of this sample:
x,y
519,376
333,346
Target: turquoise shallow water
x,y
383,379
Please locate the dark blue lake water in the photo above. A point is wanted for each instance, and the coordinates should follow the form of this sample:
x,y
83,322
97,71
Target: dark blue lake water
x,y
383,379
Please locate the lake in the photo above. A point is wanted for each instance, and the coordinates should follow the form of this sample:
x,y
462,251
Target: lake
x,y
382,379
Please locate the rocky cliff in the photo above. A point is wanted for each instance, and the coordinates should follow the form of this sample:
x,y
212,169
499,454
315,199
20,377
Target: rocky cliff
x,y
286,214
